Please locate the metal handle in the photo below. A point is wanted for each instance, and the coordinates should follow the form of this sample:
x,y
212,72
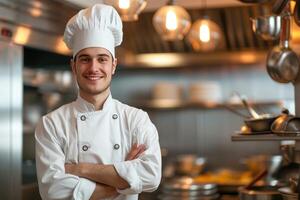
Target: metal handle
x,y
285,32
251,111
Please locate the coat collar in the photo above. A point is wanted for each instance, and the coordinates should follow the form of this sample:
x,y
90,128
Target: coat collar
x,y
84,106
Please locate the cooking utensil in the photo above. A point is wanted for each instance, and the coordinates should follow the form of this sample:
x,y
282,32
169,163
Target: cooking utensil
x,y
286,124
251,111
180,188
267,27
256,164
282,62
288,194
261,124
278,6
297,13
259,176
259,193
235,111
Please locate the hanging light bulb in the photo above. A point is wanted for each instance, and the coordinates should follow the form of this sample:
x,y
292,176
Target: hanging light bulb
x,y
129,9
205,35
172,22
124,4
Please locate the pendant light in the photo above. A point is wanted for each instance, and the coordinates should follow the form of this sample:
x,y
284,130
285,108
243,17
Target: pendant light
x,y
205,35
172,22
129,9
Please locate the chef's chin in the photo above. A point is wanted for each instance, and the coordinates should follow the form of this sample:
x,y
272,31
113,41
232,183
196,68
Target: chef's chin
x,y
94,90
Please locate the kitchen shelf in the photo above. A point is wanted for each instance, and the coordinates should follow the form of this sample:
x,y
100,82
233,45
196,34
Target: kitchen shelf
x,y
179,61
263,137
175,105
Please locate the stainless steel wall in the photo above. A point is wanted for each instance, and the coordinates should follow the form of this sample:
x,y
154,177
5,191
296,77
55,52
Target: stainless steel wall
x,y
10,120
206,132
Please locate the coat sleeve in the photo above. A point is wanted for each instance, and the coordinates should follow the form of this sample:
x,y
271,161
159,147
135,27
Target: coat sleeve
x,y
144,173
53,182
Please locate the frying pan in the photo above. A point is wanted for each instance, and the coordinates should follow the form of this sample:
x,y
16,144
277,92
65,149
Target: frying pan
x,y
282,62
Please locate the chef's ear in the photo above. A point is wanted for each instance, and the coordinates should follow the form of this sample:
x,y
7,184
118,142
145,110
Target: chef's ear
x,y
114,65
72,64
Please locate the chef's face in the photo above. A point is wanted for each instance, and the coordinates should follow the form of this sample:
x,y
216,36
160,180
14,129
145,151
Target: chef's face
x,y
93,68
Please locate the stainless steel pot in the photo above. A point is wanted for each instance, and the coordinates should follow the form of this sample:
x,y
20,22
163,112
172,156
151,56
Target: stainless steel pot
x,y
282,62
267,27
183,188
260,124
286,124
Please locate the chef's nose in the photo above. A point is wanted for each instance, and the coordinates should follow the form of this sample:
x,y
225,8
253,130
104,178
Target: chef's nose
x,y
94,64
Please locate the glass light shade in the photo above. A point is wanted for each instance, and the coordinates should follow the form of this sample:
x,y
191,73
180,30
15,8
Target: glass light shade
x,y
205,35
172,22
129,9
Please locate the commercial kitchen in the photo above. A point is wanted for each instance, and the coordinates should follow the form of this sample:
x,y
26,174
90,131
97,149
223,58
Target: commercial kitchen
x,y
218,79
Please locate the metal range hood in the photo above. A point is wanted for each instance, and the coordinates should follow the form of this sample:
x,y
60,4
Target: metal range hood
x,y
141,40
37,24
40,24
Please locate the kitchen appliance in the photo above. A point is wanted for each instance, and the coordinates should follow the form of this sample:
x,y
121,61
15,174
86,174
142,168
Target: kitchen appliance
x,y
30,31
11,119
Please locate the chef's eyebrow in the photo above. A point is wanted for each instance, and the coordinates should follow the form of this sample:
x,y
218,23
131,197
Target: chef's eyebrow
x,y
98,55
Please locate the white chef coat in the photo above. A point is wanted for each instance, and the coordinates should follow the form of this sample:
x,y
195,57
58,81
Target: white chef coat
x,y
77,133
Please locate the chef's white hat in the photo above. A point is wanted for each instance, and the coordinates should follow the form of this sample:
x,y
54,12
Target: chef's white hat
x,y
96,26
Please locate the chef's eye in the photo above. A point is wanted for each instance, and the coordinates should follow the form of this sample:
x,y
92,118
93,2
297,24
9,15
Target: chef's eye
x,y
102,59
84,59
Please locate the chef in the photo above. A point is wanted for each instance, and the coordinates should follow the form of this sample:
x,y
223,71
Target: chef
x,y
96,147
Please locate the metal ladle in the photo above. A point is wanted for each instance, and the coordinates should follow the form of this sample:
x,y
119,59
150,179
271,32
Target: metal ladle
x,y
251,111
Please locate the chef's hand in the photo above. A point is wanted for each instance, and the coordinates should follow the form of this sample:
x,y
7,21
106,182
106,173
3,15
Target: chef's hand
x,y
103,191
136,151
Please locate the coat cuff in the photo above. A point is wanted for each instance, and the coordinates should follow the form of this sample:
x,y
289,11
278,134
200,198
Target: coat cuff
x,y
84,189
127,171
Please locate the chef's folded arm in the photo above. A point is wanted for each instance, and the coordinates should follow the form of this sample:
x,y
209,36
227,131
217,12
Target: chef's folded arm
x,y
54,183
141,174
144,173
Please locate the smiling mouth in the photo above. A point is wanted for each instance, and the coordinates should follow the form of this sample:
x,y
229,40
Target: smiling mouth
x,y
94,78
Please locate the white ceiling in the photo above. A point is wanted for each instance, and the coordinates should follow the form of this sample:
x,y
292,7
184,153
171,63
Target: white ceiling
x,y
154,4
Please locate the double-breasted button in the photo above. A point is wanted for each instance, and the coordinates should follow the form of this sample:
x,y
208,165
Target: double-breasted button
x,y
82,117
115,116
116,146
85,148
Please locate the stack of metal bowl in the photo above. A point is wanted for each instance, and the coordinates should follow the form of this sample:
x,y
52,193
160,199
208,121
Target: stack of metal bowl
x,y
185,189
288,194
